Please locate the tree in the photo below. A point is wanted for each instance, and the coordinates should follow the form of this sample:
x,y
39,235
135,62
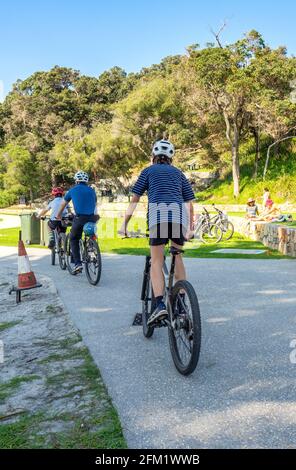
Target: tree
x,y
21,174
70,153
272,107
224,76
149,112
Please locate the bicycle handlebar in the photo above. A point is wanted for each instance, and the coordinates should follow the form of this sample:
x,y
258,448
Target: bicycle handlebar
x,y
206,211
217,210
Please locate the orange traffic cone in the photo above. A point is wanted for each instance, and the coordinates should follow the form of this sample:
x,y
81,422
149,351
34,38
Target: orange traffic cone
x,y
26,277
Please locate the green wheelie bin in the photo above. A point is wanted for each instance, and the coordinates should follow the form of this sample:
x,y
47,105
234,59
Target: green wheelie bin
x,y
44,236
30,226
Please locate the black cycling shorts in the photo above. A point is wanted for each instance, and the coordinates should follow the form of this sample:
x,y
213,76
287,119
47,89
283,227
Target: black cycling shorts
x,y
53,224
160,234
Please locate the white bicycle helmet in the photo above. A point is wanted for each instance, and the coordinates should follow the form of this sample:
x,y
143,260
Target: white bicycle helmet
x,y
163,147
81,177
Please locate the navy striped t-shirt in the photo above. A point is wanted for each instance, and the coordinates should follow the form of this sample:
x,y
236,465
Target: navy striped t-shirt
x,y
168,190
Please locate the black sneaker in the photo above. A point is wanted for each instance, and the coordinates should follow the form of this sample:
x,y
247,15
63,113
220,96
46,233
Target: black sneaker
x,y
77,269
160,313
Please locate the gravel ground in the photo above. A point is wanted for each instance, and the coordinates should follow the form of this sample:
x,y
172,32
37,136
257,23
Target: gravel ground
x,y
51,394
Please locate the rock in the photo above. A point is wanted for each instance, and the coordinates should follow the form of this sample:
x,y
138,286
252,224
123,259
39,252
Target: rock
x,y
276,237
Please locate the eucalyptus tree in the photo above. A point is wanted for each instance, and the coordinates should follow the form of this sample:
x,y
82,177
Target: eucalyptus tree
x,y
224,77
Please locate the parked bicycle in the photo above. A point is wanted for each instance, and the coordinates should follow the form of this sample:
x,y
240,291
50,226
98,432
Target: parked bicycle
x,y
90,257
183,323
206,230
221,219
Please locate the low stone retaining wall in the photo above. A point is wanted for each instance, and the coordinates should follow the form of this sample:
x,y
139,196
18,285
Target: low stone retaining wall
x,y
276,237
117,209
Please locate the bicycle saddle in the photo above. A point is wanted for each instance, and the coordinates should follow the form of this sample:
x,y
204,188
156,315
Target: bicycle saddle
x,y
175,251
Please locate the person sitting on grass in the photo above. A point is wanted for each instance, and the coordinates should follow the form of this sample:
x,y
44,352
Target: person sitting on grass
x,y
251,209
270,213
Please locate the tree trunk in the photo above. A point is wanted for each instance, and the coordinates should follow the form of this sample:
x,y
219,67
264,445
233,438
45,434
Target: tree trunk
x,y
232,135
256,134
235,169
31,196
269,150
53,179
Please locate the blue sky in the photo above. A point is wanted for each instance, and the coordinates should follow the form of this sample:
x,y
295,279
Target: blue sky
x,y
93,36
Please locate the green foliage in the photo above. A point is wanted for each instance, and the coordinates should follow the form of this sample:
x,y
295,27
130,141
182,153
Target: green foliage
x,y
209,102
281,182
19,172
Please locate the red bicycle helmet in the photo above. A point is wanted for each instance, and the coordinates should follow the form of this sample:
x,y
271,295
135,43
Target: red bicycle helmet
x,y
57,191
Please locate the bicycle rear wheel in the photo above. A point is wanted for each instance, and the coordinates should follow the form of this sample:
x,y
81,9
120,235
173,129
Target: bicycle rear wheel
x,y
53,256
93,262
228,230
61,247
148,302
185,331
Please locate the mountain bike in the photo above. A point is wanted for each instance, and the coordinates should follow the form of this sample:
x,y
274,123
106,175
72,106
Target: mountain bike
x,y
183,323
90,257
206,230
59,242
221,219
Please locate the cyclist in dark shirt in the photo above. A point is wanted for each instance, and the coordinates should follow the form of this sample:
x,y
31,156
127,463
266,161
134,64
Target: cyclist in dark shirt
x,y
170,215
84,201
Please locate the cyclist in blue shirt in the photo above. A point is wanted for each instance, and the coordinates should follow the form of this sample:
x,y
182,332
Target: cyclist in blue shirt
x,y
170,215
84,201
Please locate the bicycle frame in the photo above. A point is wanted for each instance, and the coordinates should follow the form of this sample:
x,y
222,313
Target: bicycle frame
x,y
203,218
168,284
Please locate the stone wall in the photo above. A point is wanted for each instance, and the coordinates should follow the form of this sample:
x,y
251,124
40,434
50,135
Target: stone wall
x,y
273,236
117,209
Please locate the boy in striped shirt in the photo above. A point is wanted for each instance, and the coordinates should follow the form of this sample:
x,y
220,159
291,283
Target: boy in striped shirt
x,y
170,216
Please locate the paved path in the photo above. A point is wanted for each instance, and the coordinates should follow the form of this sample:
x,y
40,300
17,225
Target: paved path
x,y
243,392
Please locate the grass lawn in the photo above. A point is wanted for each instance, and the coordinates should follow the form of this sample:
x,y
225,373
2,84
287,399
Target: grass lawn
x,y
110,242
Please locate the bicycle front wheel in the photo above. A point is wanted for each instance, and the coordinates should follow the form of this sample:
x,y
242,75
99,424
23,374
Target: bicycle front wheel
x,y
93,262
185,330
68,254
211,234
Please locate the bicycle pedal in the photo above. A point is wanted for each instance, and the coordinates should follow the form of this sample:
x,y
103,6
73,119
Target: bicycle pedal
x,y
77,272
160,324
138,320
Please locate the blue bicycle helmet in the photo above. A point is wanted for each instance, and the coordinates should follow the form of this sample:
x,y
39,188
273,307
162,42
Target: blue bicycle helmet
x,y
90,229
